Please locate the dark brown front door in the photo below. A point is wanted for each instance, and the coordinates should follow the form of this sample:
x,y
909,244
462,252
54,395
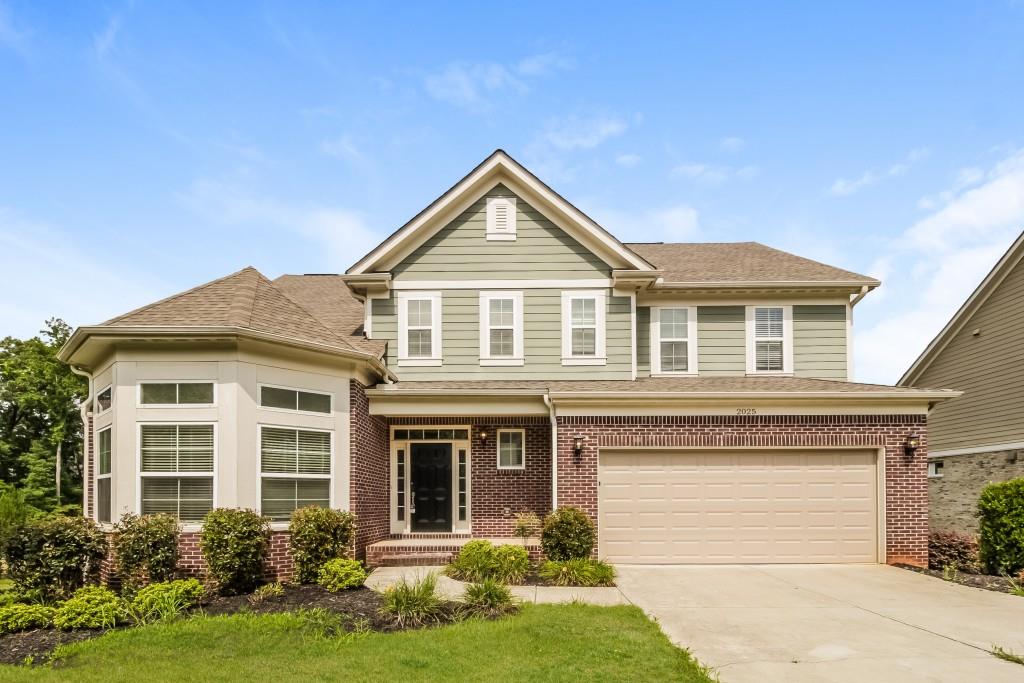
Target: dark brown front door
x,y
431,485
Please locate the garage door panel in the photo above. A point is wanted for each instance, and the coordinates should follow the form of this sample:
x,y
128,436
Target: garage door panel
x,y
738,506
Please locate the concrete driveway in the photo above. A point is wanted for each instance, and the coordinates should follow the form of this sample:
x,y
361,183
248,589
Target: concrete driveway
x,y
830,622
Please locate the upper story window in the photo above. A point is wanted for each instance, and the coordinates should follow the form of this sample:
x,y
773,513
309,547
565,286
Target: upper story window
x,y
674,340
583,328
419,328
770,339
104,400
501,218
501,328
295,470
176,466
294,399
176,393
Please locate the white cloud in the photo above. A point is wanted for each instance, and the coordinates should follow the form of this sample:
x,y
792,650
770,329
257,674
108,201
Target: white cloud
x,y
628,160
580,132
672,223
344,148
473,85
706,173
933,267
732,144
544,64
845,187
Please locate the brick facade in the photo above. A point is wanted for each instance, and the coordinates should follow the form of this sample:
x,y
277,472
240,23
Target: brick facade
x,y
370,471
906,483
953,497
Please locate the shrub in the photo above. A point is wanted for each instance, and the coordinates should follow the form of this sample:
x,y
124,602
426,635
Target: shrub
x,y
54,555
952,549
267,590
14,512
165,600
567,534
318,535
146,548
511,563
90,607
527,524
338,574
489,598
234,543
21,617
479,560
578,572
413,602
1001,527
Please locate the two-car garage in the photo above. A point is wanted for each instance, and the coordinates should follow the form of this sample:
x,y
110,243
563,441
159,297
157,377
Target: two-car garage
x,y
738,506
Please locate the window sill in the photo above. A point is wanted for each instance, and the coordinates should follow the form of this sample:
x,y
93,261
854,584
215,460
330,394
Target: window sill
x,y
501,361
769,373
674,374
419,362
520,468
585,361
501,237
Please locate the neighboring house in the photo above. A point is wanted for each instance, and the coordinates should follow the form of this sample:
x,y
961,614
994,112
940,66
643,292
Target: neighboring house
x,y
978,438
501,353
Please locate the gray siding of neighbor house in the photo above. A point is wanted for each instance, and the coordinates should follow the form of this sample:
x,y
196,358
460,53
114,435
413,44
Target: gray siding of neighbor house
x,y
988,368
819,342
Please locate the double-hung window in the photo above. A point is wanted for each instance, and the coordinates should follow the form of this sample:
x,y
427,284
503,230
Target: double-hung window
x,y
501,328
419,328
674,340
295,470
103,451
176,466
176,394
583,328
770,339
511,449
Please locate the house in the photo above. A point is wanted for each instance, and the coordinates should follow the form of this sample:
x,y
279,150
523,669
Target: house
x,y
978,438
499,353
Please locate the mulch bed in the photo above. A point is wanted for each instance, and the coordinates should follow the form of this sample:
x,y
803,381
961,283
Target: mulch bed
x,y
987,582
36,646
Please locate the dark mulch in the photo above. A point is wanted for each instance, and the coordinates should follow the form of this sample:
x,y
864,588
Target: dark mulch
x,y
16,648
987,582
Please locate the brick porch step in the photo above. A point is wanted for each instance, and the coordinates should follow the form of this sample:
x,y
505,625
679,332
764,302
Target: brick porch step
x,y
413,559
417,551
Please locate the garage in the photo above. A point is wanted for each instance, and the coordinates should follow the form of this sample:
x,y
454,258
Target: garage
x,y
741,506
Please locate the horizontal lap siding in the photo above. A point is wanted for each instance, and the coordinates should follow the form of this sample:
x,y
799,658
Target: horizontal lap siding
x,y
721,340
819,341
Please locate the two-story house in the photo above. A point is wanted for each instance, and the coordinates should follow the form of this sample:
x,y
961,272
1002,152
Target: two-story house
x,y
501,353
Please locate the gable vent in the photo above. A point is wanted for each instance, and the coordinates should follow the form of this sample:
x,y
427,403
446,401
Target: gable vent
x,y
501,218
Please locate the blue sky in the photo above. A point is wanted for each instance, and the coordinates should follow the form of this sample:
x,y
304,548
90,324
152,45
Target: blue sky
x,y
148,147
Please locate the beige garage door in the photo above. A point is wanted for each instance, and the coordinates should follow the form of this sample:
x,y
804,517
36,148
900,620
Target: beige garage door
x,y
695,506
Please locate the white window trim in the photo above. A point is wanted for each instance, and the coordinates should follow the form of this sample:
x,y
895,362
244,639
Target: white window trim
x,y
691,341
787,340
108,475
140,404
140,475
285,475
289,411
935,472
435,329
600,306
497,449
97,399
494,234
517,357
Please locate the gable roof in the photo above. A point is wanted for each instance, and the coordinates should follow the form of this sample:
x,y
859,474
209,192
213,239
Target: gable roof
x,y
1010,260
499,167
740,262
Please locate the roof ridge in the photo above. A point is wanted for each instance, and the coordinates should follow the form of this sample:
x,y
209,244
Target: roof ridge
x,y
244,301
178,295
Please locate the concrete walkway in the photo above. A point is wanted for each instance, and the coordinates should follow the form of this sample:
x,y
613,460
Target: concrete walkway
x,y
382,577
831,622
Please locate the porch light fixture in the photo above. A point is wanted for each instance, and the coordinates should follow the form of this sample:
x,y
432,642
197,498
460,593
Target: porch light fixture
x,y
577,448
910,446
483,435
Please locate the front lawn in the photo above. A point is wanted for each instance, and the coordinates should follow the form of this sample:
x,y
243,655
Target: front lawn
x,y
542,643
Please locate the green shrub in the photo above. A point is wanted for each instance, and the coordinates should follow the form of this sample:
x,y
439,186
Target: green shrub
x,y
318,535
413,602
21,617
165,600
479,560
578,572
234,544
489,598
14,512
567,534
338,574
146,548
952,549
511,563
91,607
54,555
1001,527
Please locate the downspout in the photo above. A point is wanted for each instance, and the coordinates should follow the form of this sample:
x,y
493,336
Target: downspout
x,y
554,451
86,452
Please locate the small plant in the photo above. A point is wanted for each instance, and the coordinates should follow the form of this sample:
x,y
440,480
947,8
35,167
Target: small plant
x,y
160,601
234,543
1007,655
266,591
54,555
947,548
146,549
511,563
339,574
318,535
22,617
1016,585
91,607
951,573
567,534
1001,527
479,560
527,524
489,598
413,603
578,572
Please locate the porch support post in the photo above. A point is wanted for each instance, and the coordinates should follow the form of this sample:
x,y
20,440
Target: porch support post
x,y
554,451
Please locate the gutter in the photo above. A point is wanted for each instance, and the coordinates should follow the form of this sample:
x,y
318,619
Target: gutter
x,y
768,284
86,452
554,451
860,295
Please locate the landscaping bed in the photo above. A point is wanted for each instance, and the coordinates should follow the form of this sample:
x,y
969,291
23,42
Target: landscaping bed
x,y
999,584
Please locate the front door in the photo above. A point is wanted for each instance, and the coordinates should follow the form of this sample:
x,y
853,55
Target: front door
x,y
431,486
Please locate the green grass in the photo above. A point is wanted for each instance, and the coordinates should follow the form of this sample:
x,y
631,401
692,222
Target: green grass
x,y
542,643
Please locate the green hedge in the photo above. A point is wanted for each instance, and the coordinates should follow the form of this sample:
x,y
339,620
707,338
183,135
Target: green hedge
x,y
146,548
54,555
1001,527
317,535
234,545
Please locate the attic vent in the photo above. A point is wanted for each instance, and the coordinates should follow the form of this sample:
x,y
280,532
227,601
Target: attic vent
x,y
501,218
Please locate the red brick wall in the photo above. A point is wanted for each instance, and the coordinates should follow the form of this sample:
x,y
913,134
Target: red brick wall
x,y
906,482
369,485
493,490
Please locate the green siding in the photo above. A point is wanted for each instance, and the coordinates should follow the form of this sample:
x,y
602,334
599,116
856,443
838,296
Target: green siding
x,y
643,341
819,341
721,340
461,251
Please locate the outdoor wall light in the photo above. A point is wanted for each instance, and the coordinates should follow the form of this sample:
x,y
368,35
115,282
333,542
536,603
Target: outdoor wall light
x,y
483,435
577,447
911,445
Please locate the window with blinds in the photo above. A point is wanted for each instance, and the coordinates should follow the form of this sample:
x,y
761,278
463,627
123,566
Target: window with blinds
x,y
295,466
167,451
769,339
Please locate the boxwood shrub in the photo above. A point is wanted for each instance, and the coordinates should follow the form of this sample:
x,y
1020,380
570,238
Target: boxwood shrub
x,y
91,607
317,535
1001,527
146,548
54,555
339,574
567,534
234,545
